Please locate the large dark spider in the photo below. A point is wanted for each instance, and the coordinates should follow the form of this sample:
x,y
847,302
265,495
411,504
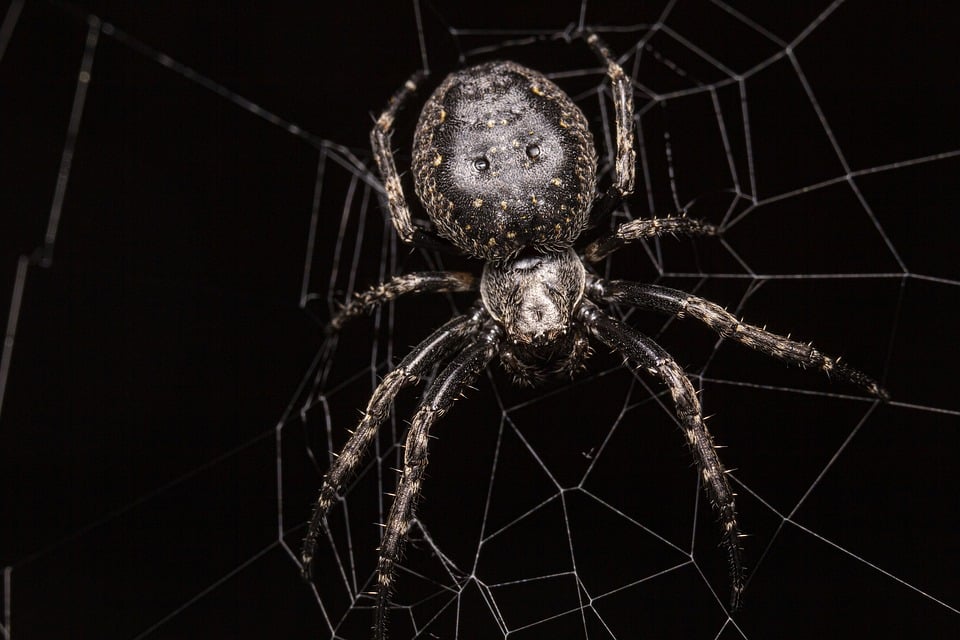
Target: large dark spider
x,y
505,166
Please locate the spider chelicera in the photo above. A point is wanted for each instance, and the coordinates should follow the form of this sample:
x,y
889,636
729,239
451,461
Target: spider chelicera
x,y
505,166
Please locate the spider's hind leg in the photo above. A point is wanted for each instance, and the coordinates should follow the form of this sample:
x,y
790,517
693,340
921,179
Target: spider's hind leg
x,y
624,179
625,163
383,155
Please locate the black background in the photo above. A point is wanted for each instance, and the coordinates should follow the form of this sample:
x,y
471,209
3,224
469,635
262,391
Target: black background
x,y
156,353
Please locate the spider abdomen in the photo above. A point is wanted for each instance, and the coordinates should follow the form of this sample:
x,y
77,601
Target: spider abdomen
x,y
503,159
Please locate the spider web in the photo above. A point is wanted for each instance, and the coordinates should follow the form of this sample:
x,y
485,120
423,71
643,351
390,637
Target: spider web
x,y
150,491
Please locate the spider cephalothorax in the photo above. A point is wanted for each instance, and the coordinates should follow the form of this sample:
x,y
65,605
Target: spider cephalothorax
x,y
503,159
534,298
505,166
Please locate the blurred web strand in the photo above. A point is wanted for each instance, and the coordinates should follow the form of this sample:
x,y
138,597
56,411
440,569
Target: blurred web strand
x,y
9,24
6,628
43,255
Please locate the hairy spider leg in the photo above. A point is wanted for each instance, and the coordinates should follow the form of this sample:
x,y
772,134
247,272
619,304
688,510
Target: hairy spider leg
x,y
646,228
655,360
626,159
439,396
625,170
383,155
438,346
715,317
416,282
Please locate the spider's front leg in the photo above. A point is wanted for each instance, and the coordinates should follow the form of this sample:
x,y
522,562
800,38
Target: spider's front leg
x,y
419,361
438,398
653,358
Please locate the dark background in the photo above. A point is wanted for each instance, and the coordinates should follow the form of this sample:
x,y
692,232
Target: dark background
x,y
164,335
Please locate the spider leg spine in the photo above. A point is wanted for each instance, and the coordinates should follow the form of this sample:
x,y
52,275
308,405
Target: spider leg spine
x,y
625,161
429,352
621,90
416,282
386,165
640,228
437,399
722,322
652,357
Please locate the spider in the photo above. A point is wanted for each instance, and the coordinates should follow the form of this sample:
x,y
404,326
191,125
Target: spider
x,y
505,166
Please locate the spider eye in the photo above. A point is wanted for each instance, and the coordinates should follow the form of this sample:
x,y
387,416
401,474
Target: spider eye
x,y
481,164
533,151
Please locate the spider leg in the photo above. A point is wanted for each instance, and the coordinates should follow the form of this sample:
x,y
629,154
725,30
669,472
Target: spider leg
x,y
625,164
383,155
659,298
625,171
447,387
648,354
421,359
646,228
417,282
